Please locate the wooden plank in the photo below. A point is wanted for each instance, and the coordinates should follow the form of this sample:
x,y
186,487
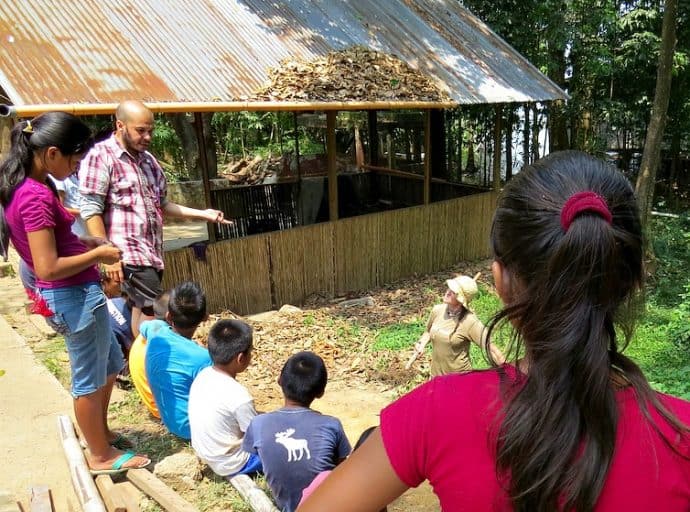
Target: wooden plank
x,y
331,116
164,495
113,500
130,494
41,499
250,492
83,483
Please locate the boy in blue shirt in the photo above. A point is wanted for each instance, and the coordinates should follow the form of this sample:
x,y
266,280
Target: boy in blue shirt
x,y
296,443
173,359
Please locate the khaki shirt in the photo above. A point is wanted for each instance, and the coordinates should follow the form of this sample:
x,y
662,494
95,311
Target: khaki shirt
x,y
450,345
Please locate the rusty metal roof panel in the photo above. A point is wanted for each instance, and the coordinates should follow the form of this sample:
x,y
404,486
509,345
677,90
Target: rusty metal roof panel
x,y
89,51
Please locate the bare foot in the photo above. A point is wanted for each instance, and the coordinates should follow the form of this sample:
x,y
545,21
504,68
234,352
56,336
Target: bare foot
x,y
102,463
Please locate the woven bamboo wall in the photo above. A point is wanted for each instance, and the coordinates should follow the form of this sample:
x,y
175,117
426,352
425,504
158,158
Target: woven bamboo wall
x,y
262,272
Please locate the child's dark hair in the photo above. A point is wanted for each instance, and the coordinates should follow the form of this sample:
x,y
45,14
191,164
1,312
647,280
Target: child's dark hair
x,y
160,305
363,437
303,378
59,129
187,305
573,271
227,339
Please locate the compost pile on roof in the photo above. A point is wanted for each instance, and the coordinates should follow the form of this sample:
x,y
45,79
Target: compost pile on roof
x,y
353,74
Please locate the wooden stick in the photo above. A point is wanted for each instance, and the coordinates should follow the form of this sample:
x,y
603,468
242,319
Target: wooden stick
x,y
252,494
82,481
130,494
41,499
164,495
112,498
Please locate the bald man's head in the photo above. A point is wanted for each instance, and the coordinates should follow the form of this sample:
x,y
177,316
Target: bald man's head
x,y
134,126
131,108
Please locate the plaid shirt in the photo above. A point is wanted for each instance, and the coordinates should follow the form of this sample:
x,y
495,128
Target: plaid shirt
x,y
134,191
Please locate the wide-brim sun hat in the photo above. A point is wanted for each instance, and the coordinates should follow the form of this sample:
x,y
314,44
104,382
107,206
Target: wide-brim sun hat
x,y
465,288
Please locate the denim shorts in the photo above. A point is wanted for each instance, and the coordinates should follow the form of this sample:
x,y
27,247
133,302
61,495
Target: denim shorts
x,y
81,316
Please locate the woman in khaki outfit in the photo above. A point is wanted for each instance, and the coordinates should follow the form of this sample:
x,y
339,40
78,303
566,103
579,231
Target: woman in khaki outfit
x,y
452,326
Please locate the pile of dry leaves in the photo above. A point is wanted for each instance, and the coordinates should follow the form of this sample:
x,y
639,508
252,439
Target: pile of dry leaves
x,y
353,74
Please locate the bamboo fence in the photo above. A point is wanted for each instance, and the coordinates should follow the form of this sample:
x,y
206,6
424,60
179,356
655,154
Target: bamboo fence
x,y
265,271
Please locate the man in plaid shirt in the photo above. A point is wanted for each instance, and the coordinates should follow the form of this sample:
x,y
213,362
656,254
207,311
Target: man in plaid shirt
x,y
124,200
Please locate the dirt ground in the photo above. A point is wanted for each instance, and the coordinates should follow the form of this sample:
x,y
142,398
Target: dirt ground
x,y
361,380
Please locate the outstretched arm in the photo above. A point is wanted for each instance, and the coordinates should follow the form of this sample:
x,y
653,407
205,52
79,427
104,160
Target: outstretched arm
x,y
171,209
422,342
365,482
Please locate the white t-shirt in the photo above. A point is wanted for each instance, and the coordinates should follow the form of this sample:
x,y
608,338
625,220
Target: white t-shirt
x,y
220,409
72,199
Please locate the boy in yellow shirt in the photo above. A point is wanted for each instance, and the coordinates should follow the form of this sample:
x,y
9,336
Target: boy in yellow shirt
x,y
137,353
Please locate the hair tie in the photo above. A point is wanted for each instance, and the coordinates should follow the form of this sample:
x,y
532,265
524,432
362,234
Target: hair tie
x,y
584,202
28,128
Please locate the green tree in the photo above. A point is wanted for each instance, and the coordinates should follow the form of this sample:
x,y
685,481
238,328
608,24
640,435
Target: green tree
x,y
652,148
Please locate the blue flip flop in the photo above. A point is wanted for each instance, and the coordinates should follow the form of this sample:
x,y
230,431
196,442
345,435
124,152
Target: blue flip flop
x,y
117,466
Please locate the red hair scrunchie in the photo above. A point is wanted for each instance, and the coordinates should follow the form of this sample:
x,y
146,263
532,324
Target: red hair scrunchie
x,y
584,202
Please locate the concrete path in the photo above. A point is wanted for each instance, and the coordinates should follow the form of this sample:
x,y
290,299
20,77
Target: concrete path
x,y
30,401
31,398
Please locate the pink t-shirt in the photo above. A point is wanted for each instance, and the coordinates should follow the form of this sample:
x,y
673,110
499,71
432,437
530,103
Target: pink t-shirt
x,y
34,207
441,432
309,489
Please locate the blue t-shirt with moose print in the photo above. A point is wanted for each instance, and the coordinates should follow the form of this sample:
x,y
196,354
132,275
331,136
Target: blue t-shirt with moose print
x,y
295,444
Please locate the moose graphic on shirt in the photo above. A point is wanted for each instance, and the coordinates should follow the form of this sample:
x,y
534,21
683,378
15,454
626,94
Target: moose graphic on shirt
x,y
296,448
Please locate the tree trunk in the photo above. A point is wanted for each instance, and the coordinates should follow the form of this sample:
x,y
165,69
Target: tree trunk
x,y
509,144
535,133
471,164
652,146
525,137
182,124
672,196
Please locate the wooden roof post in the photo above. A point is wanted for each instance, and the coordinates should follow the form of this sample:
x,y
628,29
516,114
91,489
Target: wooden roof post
x,y
427,156
203,160
497,147
331,116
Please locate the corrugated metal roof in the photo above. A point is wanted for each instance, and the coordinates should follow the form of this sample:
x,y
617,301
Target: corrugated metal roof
x,y
91,51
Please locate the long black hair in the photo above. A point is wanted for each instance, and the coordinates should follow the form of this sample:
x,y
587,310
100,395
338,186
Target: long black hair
x,y
557,435
59,129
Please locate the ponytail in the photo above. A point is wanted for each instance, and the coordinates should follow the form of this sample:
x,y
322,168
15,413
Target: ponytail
x,y
17,164
568,232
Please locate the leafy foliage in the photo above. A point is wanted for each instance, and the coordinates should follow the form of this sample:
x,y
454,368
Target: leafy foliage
x,y
604,53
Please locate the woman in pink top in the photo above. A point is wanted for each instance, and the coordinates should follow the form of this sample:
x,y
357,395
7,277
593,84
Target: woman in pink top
x,y
573,424
67,279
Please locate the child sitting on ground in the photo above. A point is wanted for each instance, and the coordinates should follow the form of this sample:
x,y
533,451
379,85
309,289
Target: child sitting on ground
x,y
296,443
173,359
137,352
220,408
